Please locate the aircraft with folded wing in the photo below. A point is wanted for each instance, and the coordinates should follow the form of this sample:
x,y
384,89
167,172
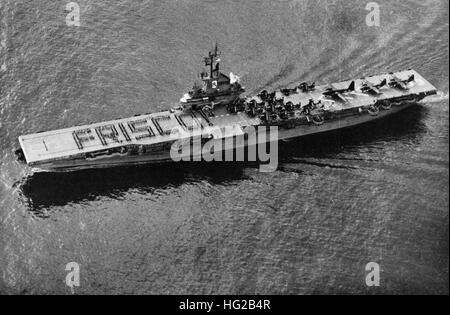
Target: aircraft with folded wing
x,y
398,83
368,87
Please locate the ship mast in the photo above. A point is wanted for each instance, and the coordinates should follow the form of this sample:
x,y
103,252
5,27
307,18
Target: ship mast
x,y
212,62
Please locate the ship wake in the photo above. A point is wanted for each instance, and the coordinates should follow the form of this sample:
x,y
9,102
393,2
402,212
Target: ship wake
x,y
438,97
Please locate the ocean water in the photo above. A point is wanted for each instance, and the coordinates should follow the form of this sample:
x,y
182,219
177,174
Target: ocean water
x,y
377,193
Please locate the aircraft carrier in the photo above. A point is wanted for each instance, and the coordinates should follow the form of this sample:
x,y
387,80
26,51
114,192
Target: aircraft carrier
x,y
216,104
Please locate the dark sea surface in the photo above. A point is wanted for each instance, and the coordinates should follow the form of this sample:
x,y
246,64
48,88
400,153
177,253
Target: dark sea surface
x,y
375,193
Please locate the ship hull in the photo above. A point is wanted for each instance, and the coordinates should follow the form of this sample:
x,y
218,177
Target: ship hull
x,y
164,156
109,162
309,130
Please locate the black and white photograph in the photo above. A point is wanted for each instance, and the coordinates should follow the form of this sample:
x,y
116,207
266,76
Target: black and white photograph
x,y
224,153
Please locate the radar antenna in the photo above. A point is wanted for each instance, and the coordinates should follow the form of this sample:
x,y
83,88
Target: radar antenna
x,y
213,62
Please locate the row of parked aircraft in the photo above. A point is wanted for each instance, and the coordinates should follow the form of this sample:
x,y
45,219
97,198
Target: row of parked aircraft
x,y
368,87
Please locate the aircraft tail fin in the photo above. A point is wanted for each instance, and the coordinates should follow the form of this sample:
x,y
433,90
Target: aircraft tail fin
x,y
382,83
351,87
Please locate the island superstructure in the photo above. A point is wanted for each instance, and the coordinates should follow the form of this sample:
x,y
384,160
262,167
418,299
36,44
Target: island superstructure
x,y
299,110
